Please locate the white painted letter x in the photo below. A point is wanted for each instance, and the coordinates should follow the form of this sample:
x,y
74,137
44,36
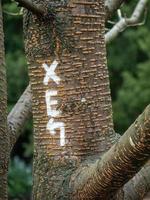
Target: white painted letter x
x,y
50,73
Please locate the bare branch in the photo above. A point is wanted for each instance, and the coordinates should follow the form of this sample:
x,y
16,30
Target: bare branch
x,y
19,115
112,6
28,4
11,13
138,12
126,22
118,165
139,186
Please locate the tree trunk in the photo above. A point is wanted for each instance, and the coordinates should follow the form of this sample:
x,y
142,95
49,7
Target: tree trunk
x,y
71,96
3,117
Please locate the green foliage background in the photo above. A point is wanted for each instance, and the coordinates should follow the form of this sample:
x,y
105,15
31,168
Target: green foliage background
x,y
129,67
129,64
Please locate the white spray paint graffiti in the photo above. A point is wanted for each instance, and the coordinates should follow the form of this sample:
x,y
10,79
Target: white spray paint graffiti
x,y
50,73
52,126
50,103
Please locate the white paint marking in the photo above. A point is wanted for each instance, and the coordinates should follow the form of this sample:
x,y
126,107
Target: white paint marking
x,y
50,73
131,142
52,126
49,103
83,100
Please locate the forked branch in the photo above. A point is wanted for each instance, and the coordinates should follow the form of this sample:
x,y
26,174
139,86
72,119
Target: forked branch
x,y
112,6
134,20
118,165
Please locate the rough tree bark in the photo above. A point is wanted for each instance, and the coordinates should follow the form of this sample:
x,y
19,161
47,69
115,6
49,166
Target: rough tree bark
x,y
110,5
72,106
118,165
83,93
139,186
4,140
26,99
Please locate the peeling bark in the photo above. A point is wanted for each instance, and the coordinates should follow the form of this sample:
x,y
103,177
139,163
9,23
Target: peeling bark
x,y
4,143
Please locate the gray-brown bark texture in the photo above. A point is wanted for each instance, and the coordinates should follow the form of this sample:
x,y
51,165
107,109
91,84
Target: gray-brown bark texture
x,y
119,164
3,117
139,186
72,106
26,99
83,93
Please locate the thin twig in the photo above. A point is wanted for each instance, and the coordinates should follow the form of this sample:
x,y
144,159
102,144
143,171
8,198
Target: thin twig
x,y
112,6
11,13
126,22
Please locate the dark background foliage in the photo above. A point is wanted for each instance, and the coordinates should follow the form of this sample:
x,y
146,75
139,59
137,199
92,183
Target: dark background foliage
x,y
129,67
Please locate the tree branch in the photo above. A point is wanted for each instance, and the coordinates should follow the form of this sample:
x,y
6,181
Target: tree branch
x,y
19,115
29,5
112,6
139,186
118,165
126,22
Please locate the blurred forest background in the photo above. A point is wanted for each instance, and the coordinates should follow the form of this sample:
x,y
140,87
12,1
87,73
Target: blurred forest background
x,y
129,68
